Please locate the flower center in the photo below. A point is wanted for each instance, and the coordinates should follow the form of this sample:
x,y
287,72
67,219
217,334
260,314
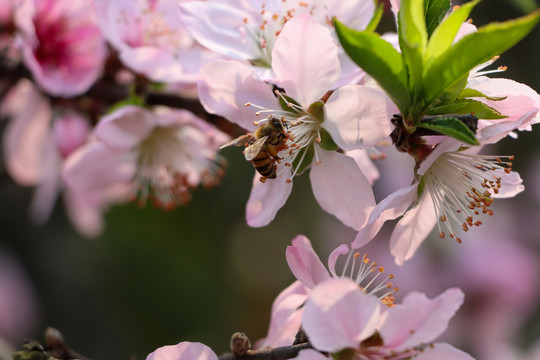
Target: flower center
x,y
370,277
172,161
461,187
52,50
303,132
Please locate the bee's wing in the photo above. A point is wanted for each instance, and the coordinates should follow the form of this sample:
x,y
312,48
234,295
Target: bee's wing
x,y
239,141
255,148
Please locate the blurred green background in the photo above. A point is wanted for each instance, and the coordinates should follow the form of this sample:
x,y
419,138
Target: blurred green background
x,y
199,273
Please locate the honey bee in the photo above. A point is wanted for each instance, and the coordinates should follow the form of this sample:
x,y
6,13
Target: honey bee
x,y
262,147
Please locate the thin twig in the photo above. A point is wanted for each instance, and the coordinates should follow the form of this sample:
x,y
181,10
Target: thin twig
x,y
280,353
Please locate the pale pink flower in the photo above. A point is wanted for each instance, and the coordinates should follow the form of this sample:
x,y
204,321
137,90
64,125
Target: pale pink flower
x,y
159,155
247,30
353,117
37,142
310,271
338,315
183,351
151,40
61,44
452,188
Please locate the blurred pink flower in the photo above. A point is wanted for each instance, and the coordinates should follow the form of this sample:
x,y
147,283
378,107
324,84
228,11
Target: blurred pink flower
x,y
183,351
309,270
354,117
151,39
155,155
36,144
338,315
62,44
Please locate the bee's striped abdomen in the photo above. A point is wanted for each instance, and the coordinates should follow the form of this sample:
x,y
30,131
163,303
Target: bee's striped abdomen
x,y
264,164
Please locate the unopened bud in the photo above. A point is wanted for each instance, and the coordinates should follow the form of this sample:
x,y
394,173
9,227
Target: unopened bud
x,y
240,344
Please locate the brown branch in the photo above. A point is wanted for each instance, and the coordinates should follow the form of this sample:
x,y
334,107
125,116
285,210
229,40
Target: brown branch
x,y
280,353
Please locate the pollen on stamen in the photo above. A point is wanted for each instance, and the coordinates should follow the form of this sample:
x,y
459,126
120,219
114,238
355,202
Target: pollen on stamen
x,y
245,20
456,7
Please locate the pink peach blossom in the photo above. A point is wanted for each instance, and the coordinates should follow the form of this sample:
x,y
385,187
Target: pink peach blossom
x,y
36,144
151,40
61,44
338,315
338,184
158,155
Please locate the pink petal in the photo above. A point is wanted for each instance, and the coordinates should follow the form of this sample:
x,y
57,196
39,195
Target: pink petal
x,y
442,351
126,127
157,64
390,208
220,27
342,249
49,185
339,315
286,316
71,131
305,264
419,320
305,60
365,164
499,129
226,86
267,198
183,351
356,14
95,167
511,184
85,215
447,145
357,117
26,134
341,188
413,228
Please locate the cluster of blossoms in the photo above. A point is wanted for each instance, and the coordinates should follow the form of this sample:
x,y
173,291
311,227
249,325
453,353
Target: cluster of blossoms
x,y
109,124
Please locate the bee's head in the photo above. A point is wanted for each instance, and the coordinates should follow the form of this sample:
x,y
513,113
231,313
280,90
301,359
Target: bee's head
x,y
277,124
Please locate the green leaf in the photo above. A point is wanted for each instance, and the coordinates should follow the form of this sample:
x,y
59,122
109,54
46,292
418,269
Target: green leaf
x,y
327,143
413,39
435,10
304,159
378,58
468,93
468,106
377,16
446,109
443,36
452,127
472,50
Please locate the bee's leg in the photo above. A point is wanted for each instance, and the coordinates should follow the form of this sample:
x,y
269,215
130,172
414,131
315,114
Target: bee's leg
x,y
272,150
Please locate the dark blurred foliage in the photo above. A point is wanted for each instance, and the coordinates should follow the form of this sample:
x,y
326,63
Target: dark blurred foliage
x,y
198,273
